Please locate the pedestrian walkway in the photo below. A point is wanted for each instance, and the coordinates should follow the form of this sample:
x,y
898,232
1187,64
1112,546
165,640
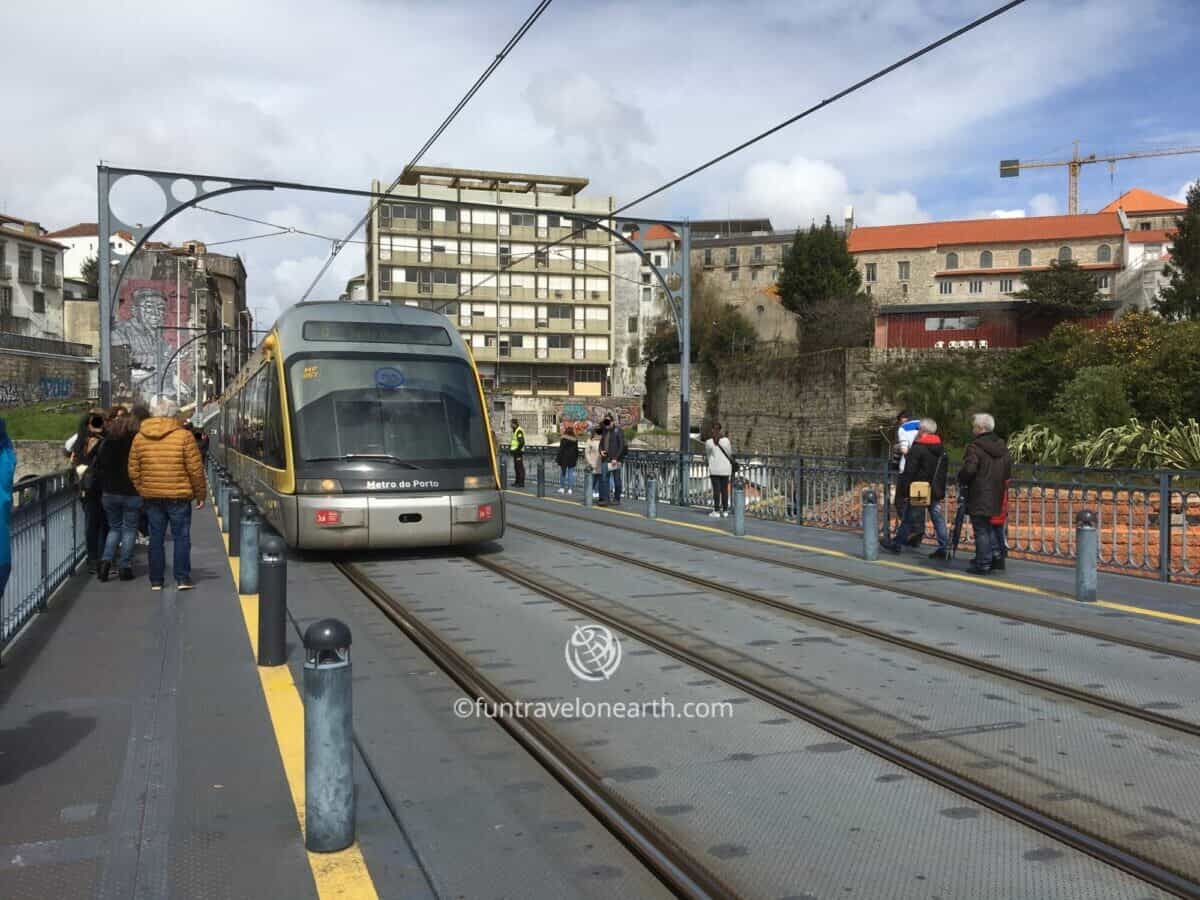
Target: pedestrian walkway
x,y
135,745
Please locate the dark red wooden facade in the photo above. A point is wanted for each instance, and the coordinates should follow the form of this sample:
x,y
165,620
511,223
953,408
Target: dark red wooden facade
x,y
999,328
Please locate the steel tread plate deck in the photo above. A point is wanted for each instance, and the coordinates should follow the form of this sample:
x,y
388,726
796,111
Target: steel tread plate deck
x,y
923,576
148,761
1157,682
481,816
774,806
1085,766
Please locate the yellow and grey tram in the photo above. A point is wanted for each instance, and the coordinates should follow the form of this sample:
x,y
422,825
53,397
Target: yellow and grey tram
x,y
363,425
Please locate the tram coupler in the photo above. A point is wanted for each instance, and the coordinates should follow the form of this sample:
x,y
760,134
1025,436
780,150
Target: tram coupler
x,y
588,479
248,551
870,525
272,601
739,507
1087,556
651,497
541,475
328,738
235,521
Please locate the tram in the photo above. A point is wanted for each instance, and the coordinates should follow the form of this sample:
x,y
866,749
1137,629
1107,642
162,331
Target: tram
x,y
363,426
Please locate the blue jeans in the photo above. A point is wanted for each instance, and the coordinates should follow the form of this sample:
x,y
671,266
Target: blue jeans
x,y
914,523
939,526
985,541
179,514
566,478
122,513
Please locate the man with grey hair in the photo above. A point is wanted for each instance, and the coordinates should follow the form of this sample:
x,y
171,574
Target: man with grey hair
x,y
166,469
925,462
986,471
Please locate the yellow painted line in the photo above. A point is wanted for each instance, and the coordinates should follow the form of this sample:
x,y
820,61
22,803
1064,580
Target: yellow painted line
x,y
342,875
907,567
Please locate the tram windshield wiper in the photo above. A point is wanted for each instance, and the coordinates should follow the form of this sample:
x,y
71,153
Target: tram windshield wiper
x,y
384,456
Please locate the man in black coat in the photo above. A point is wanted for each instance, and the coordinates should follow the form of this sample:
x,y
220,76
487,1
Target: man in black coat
x,y
986,470
925,461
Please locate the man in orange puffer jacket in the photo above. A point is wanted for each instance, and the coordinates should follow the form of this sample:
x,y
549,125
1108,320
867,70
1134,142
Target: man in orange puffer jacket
x,y
166,469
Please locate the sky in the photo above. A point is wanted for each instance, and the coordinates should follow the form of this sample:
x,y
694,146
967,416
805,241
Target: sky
x,y
628,95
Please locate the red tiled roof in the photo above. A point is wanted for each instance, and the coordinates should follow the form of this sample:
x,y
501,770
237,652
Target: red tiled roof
x,y
656,233
1138,200
86,229
1153,236
984,231
13,234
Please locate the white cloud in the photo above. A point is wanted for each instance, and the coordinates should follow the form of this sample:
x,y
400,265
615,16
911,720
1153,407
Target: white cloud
x,y
1181,194
1043,205
1006,214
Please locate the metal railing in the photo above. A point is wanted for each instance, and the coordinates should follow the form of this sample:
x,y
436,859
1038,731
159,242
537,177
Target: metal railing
x,y
1148,520
10,341
48,542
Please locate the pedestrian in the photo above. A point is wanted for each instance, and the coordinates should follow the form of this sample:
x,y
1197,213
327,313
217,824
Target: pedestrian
x,y
612,455
567,457
8,468
83,457
591,453
926,465
166,470
119,498
719,453
516,446
986,470
907,429
141,413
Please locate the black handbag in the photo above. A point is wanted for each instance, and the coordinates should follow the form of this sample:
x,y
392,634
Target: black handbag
x,y
733,463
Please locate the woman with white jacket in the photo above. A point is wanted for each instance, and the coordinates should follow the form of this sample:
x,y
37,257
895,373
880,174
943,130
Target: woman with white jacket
x,y
591,452
719,452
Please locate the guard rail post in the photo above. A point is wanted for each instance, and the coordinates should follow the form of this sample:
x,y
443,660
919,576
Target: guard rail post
x,y
1164,526
651,497
739,507
235,522
870,525
272,601
1087,556
328,738
799,483
541,474
248,551
587,485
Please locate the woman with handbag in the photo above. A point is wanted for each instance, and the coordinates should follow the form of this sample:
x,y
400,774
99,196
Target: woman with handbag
x,y
83,461
924,477
719,453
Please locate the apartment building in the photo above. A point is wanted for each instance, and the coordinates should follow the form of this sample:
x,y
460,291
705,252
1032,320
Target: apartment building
x,y
640,304
82,241
31,273
515,261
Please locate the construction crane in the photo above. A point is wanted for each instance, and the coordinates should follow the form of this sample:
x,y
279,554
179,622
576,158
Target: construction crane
x,y
1011,168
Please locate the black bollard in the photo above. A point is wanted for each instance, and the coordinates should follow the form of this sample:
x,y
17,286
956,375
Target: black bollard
x,y
328,738
272,601
235,522
541,476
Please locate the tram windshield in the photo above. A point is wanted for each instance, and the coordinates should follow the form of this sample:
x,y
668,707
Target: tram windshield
x,y
403,409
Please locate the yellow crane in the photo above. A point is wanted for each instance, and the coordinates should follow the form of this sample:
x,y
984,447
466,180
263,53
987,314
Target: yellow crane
x,y
1011,168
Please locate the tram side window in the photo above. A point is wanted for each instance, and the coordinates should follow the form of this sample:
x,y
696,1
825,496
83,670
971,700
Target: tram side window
x,y
272,449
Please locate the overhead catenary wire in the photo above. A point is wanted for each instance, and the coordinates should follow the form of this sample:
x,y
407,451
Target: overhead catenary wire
x,y
479,82
828,101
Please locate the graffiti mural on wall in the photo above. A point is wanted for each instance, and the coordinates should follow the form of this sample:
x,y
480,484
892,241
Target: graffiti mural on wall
x,y
149,323
45,388
625,411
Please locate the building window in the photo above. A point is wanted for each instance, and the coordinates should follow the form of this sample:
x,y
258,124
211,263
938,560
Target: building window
x,y
868,290
869,275
1064,254
976,285
645,295
754,274
645,278
5,302
903,270
708,257
733,275
1143,226
731,256
985,259
757,256
904,288
48,270
632,325
945,287
631,355
951,260
385,278
39,301
954,323
25,265
1102,282
1006,286
1025,257
1104,253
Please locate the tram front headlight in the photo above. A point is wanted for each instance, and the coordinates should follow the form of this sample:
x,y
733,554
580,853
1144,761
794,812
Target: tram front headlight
x,y
478,482
318,486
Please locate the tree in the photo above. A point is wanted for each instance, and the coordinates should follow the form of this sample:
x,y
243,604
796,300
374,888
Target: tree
x,y
719,330
837,322
1181,298
1095,399
90,270
819,267
1063,291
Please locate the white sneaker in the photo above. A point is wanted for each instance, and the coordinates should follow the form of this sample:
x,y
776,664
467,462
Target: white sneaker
x,y
714,514
724,514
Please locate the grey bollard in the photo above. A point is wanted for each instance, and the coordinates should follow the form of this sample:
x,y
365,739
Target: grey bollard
x,y
503,472
587,485
328,738
870,526
651,497
235,522
272,601
541,476
223,504
1087,556
739,507
248,551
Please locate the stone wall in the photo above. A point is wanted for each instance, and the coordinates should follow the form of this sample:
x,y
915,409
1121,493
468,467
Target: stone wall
x,y
39,458
31,377
662,395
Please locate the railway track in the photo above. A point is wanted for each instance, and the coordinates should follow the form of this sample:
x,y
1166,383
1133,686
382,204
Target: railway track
x,y
675,866
1151,717
880,584
1161,876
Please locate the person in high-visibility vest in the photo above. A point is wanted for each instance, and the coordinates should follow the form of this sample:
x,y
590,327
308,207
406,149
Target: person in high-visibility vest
x,y
516,447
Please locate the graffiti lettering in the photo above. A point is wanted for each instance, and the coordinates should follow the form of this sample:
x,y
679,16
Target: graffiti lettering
x,y
55,388
625,411
14,393
47,388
